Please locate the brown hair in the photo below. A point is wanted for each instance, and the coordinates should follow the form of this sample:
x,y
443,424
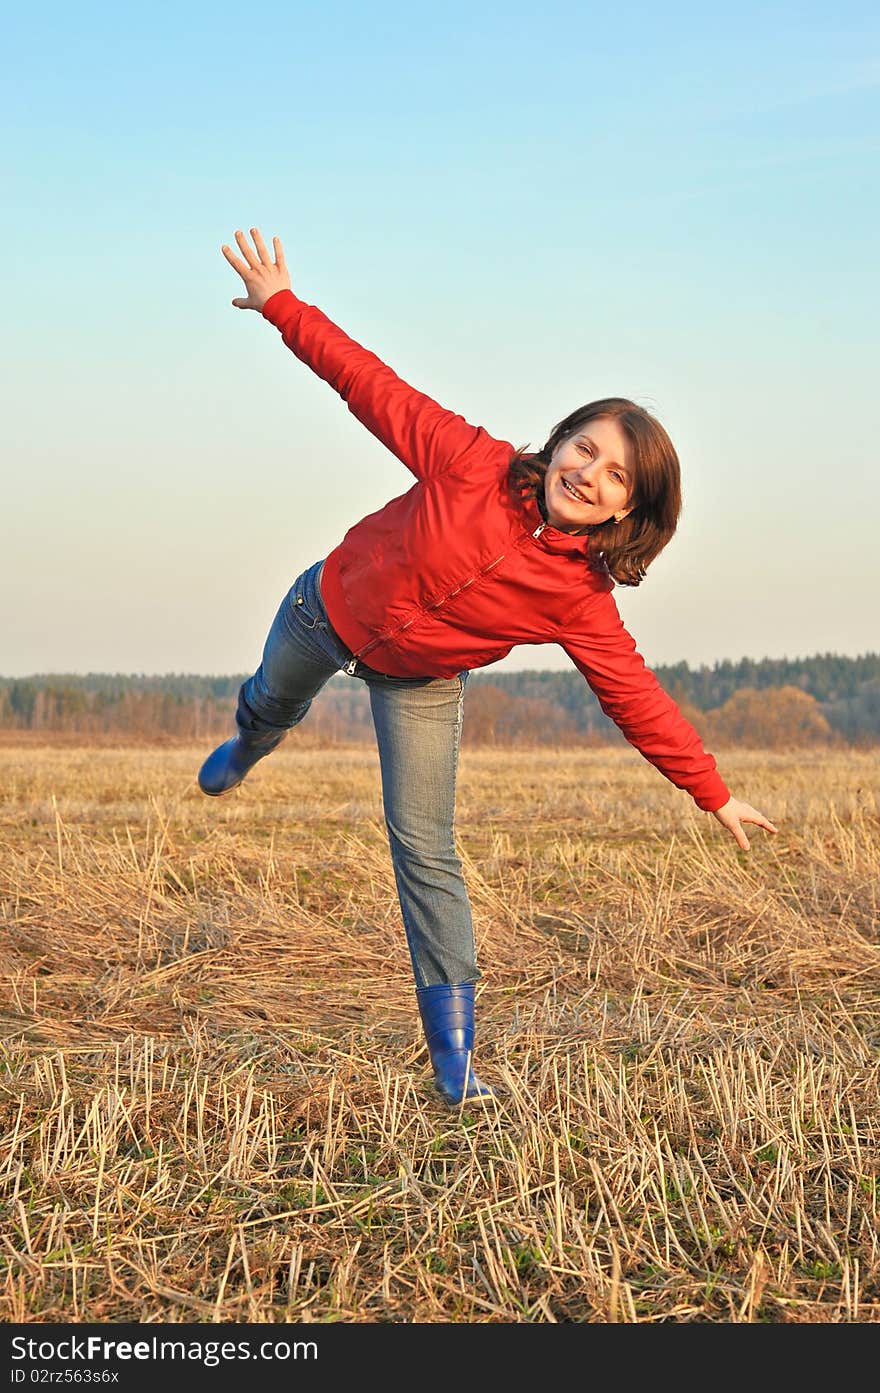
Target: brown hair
x,y
624,549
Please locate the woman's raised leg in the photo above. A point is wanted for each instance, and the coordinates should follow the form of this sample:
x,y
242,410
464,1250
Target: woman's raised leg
x,y
300,655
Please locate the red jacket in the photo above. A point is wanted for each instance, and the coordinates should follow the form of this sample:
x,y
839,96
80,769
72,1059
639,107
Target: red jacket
x,y
452,574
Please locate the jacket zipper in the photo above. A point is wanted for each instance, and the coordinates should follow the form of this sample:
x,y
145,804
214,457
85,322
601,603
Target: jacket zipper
x,y
351,666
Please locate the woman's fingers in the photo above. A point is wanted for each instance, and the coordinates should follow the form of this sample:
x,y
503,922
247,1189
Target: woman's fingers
x,y
734,813
235,262
731,821
262,249
752,815
262,276
246,251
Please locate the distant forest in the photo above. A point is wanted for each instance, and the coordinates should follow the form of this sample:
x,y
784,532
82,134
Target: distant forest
x,y
825,699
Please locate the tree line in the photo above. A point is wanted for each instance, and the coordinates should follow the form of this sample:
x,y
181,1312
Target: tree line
x,y
826,699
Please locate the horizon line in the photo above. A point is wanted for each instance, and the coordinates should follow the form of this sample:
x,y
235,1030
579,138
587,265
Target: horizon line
x,y
510,672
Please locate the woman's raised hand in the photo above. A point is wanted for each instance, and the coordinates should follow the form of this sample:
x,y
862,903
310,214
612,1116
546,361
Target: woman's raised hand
x,y
261,275
734,813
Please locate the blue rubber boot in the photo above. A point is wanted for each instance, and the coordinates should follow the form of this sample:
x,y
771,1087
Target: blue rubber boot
x,y
448,1019
229,763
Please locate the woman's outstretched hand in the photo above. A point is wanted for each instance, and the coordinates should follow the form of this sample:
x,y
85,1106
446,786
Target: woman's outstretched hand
x,y
261,275
734,813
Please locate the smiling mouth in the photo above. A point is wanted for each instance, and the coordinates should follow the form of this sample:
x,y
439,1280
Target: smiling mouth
x,y
570,488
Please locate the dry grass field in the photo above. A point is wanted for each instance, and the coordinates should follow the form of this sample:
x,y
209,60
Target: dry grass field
x,y
216,1105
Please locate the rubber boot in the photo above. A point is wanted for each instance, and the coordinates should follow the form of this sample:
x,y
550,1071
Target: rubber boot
x,y
448,1019
229,763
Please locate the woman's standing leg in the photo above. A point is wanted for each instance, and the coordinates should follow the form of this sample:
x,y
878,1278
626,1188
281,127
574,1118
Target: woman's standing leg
x,y
418,730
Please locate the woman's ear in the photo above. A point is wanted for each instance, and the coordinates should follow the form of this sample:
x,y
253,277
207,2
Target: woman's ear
x,y
621,514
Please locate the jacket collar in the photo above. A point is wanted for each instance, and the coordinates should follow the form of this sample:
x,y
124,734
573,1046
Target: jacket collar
x,y
551,538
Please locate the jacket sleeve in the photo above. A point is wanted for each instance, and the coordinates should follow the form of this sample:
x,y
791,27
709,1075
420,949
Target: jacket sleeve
x,y
630,694
423,435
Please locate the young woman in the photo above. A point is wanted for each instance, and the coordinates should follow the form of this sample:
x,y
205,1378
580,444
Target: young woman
x,y
489,548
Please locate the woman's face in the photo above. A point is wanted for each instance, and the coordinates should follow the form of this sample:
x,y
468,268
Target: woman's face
x,y
590,477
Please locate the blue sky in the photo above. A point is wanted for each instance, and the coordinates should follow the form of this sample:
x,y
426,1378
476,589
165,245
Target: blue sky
x,y
520,209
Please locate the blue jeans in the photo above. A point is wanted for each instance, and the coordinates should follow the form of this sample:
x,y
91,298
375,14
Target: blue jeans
x,y
418,731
